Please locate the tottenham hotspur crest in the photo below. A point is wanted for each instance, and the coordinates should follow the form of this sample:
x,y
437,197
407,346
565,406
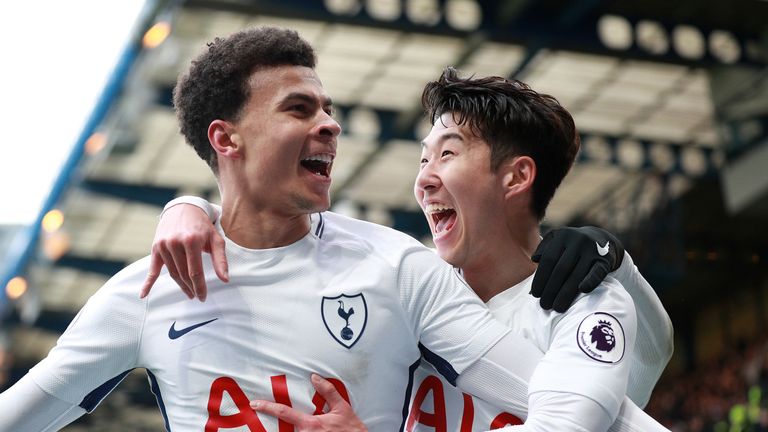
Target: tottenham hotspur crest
x,y
345,317
601,337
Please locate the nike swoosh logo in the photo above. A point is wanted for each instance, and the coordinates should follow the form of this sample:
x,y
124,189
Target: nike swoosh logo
x,y
175,334
603,250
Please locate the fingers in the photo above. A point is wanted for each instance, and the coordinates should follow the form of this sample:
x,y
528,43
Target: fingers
x,y
544,244
560,271
548,256
283,412
597,273
328,391
195,272
173,271
155,265
219,256
570,287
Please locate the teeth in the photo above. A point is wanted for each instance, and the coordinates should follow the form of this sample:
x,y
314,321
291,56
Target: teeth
x,y
322,157
437,208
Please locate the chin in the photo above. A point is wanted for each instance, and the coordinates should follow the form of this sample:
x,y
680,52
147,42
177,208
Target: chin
x,y
448,256
313,204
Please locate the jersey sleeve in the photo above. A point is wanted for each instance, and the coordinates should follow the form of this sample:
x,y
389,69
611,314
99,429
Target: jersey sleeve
x,y
26,407
212,210
583,414
100,346
654,345
591,347
453,326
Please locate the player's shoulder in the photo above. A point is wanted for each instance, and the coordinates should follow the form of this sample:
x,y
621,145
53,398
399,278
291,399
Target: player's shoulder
x,y
128,281
132,273
610,294
120,293
370,237
612,288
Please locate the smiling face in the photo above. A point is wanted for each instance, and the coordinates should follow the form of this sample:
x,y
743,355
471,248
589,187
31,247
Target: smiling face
x,y
288,141
460,195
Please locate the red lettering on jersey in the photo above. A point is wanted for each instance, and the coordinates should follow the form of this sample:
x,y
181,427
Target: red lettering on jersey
x,y
280,392
468,416
245,417
437,419
320,401
505,419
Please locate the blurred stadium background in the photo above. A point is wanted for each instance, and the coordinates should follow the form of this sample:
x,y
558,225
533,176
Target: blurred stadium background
x,y
670,96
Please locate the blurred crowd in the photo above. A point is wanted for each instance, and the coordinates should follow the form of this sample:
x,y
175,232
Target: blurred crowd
x,y
729,394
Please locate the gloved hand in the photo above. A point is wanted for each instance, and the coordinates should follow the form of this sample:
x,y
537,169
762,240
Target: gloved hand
x,y
573,261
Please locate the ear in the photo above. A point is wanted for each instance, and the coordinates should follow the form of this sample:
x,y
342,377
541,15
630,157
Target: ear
x,y
518,176
225,140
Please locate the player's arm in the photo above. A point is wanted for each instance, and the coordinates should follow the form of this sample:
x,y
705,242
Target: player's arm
x,y
26,407
654,345
489,380
90,358
185,231
588,416
574,372
576,260
474,351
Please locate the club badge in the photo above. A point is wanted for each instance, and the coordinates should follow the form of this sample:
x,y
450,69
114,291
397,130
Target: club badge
x,y
601,337
345,317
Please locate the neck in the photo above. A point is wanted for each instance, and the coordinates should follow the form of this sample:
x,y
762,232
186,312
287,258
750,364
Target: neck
x,y
507,261
259,227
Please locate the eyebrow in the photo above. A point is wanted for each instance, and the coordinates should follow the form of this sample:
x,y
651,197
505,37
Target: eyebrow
x,y
326,100
446,137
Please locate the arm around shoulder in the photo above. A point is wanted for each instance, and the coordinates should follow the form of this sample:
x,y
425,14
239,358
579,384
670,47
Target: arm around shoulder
x,y
213,211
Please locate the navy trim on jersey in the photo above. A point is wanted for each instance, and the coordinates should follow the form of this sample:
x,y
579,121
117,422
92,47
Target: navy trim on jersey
x,y
320,226
408,391
441,364
94,398
155,388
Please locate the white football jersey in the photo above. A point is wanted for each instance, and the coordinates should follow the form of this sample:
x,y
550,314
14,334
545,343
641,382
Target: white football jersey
x,y
587,352
351,301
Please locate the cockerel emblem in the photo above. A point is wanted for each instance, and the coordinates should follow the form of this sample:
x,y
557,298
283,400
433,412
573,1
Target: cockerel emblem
x,y
345,317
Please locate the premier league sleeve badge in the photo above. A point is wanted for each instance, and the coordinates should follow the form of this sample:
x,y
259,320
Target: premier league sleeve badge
x,y
601,337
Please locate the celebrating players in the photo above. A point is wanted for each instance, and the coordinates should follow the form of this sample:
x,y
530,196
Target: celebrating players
x,y
308,290
516,146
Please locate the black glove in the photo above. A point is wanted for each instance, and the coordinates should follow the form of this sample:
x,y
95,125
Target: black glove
x,y
573,261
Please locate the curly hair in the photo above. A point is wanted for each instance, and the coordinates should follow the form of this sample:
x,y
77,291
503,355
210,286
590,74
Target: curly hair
x,y
216,84
513,120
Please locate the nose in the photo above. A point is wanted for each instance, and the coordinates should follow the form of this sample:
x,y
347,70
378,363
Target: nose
x,y
328,126
427,179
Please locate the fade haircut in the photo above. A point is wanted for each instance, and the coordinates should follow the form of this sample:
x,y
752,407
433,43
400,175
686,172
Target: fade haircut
x,y
216,86
513,120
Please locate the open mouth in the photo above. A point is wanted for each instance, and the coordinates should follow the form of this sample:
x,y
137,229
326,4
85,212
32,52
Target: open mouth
x,y
318,164
443,217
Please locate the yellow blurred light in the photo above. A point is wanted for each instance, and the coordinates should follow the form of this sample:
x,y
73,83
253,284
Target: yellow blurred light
x,y
16,287
53,220
95,143
55,245
156,34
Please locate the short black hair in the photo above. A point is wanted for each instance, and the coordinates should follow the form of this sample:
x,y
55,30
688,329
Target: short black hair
x,y
513,120
216,84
